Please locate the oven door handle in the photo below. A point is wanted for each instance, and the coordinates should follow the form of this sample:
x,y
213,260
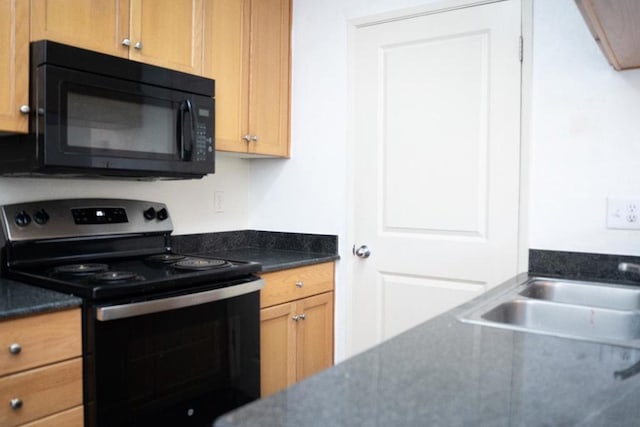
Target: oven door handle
x,y
122,311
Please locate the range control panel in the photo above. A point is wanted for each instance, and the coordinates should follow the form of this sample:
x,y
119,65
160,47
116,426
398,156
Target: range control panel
x,y
55,219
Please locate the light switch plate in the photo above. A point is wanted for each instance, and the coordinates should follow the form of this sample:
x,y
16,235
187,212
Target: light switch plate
x,y
623,213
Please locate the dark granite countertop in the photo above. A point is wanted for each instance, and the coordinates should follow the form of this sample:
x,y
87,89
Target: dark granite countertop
x,y
274,250
19,299
448,373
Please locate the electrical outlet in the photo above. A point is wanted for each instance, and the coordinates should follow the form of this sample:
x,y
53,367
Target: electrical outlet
x,y
218,201
623,213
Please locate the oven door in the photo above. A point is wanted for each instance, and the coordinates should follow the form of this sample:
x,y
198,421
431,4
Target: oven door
x,y
175,361
99,124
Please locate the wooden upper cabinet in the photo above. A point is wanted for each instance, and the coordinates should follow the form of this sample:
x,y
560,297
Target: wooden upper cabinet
x,y
615,26
269,77
227,62
99,25
250,61
14,65
167,33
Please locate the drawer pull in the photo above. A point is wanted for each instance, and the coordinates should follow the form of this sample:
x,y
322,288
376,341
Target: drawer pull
x,y
15,404
15,348
299,283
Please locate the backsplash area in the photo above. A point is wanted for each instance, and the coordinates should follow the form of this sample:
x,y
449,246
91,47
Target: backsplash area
x,y
579,265
190,202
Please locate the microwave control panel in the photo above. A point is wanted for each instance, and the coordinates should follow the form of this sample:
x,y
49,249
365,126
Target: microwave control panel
x,y
204,135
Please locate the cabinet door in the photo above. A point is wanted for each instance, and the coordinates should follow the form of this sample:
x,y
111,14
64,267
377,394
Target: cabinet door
x,y
14,63
269,77
44,391
277,348
99,25
170,33
314,335
227,61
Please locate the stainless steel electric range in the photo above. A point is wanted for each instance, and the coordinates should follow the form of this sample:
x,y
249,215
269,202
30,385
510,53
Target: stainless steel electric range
x,y
168,339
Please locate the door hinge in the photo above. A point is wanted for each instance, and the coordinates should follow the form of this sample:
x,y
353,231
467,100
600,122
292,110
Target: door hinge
x,y
521,48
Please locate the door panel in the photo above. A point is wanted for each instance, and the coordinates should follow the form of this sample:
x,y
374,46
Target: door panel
x,y
436,157
435,161
406,300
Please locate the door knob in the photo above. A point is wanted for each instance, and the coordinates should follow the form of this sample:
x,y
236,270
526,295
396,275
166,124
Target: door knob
x,y
361,252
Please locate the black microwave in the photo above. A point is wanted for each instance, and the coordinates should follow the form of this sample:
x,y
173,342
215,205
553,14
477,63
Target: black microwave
x,y
97,115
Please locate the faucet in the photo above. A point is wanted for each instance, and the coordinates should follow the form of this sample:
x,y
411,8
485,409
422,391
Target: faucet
x,y
629,267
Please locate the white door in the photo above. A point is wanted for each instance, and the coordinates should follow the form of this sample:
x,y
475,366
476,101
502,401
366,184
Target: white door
x,y
436,134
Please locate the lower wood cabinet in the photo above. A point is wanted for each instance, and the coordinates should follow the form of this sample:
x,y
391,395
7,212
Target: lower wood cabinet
x,y
41,375
297,326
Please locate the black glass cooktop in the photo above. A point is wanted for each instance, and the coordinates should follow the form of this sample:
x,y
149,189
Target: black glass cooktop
x,y
134,276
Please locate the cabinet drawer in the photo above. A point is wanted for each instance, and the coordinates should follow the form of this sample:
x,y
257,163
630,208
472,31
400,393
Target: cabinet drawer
x,y
73,417
291,284
43,339
43,391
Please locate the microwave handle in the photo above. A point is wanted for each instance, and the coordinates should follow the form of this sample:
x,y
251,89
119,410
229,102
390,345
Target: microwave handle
x,y
186,136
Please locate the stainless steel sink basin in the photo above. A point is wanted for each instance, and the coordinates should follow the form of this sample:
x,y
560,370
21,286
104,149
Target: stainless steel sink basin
x,y
600,312
584,293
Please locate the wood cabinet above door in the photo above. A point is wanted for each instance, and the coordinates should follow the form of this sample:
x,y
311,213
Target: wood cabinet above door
x,y
614,25
167,33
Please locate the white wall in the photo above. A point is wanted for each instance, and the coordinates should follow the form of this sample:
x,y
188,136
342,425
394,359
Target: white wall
x,y
586,136
190,202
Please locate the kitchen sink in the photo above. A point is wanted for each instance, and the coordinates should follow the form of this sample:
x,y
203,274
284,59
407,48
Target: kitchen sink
x,y
584,293
592,311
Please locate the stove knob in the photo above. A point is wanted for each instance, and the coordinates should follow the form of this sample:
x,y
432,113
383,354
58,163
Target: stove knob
x,y
23,219
150,213
41,217
163,214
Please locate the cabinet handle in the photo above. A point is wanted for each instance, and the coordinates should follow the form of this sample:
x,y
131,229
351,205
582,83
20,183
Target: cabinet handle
x,y
299,283
15,348
15,403
138,45
254,138
296,317
126,42
302,316
246,138
25,109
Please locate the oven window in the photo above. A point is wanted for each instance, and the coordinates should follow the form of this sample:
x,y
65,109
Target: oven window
x,y
181,367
